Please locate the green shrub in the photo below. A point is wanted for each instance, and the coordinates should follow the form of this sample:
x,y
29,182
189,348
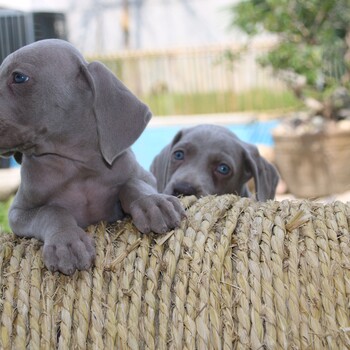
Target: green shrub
x,y
313,40
4,207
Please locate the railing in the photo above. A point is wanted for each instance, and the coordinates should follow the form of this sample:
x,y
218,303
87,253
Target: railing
x,y
211,79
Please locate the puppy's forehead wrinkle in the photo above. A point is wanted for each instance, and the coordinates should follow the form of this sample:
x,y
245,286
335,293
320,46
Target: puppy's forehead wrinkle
x,y
18,65
53,52
222,157
187,145
216,145
220,138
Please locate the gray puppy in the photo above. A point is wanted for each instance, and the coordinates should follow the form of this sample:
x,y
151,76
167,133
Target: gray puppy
x,y
210,159
73,122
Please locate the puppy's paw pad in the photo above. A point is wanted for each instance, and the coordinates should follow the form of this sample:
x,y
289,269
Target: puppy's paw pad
x,y
157,212
69,251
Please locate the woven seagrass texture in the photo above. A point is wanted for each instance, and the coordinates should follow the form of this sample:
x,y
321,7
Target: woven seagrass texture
x,y
237,274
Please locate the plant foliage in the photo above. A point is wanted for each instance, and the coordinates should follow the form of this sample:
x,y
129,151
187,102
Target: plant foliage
x,y
4,207
313,37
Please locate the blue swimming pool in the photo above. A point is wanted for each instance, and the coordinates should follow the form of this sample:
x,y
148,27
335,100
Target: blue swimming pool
x,y
153,139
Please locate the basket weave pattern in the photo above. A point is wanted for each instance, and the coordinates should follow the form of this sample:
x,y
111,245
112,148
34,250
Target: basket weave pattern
x,y
237,274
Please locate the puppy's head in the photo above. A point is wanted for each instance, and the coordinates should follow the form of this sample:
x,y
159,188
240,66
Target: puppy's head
x,y
50,96
210,159
32,88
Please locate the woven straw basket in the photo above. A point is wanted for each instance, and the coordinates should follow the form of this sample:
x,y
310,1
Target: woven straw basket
x,y
237,274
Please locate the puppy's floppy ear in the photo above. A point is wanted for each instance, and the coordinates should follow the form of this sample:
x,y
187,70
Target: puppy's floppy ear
x,y
265,174
159,167
160,164
120,116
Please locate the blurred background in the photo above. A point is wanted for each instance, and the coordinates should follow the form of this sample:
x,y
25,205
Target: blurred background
x,y
249,65
180,57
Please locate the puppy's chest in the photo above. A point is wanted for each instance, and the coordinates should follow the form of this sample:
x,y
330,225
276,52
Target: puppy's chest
x,y
90,200
89,195
86,192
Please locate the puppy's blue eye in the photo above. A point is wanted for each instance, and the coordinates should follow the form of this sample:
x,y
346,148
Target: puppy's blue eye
x,y
19,78
179,155
223,169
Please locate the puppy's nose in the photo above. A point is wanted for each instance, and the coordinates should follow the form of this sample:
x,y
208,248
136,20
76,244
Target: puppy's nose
x,y
184,188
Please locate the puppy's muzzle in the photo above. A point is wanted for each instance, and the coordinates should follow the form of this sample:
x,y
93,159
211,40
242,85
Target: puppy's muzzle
x,y
184,189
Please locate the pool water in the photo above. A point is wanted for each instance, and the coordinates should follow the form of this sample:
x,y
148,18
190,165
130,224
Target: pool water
x,y
154,139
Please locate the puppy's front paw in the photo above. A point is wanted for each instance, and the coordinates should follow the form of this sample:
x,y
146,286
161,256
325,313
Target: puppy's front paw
x,y
157,212
69,250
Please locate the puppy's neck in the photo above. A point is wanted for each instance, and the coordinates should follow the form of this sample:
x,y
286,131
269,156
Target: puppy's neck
x,y
83,150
